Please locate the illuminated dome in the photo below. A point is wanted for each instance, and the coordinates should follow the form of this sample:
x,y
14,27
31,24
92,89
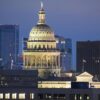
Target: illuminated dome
x,y
41,35
42,32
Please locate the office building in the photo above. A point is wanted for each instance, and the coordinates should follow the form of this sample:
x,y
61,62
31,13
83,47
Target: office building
x,y
65,47
9,45
88,57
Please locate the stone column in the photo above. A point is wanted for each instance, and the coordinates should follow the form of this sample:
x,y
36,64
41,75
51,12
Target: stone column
x,y
56,61
26,61
41,61
34,61
47,61
59,61
52,62
31,61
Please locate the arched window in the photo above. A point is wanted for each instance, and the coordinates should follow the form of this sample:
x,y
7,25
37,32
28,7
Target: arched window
x,y
35,47
39,46
43,46
47,46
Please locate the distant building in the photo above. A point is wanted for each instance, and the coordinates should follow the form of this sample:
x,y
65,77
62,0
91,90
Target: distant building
x,y
88,57
9,45
25,43
65,47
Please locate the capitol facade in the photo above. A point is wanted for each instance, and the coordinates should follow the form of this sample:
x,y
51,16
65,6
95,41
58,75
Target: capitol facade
x,y
41,53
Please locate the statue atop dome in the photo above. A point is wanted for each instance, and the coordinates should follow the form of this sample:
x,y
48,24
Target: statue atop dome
x,y
41,5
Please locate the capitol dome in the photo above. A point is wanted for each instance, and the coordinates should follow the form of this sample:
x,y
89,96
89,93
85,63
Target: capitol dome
x,y
41,35
41,32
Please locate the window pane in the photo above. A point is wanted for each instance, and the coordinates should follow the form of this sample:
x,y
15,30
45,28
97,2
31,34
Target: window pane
x,y
7,95
1,95
31,95
14,95
21,95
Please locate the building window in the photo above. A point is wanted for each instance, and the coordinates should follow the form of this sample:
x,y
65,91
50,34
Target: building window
x,y
40,96
48,96
31,95
62,42
43,46
86,97
57,41
39,47
7,95
21,96
76,97
14,95
1,95
35,47
59,96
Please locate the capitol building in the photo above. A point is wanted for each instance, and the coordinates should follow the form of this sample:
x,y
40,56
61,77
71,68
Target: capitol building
x,y
41,53
42,77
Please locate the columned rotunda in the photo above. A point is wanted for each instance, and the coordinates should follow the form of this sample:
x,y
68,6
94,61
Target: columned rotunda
x,y
41,53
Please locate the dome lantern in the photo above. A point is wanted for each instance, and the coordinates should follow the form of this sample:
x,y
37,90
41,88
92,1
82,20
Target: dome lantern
x,y
42,31
41,15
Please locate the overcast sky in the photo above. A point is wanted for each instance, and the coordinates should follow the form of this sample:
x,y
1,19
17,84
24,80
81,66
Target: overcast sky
x,y
75,19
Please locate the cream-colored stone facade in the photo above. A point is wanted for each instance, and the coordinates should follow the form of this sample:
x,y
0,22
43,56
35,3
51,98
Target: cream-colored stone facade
x,y
54,84
42,61
84,77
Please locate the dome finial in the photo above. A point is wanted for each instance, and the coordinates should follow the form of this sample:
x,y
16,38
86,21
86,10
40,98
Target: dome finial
x,y
41,4
41,15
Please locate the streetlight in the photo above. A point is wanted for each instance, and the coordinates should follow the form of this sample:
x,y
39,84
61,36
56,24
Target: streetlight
x,y
97,61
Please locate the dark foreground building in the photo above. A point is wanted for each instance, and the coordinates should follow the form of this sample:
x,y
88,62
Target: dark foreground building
x,y
88,57
23,85
18,84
